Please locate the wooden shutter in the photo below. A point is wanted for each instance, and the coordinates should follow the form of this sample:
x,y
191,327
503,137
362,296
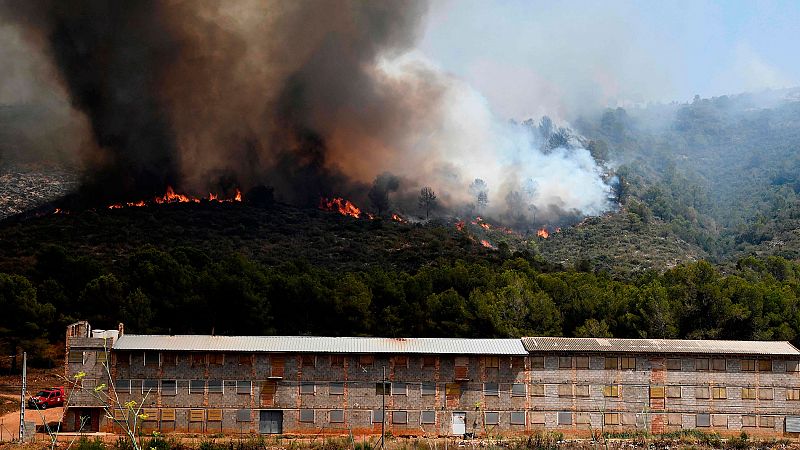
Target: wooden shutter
x,y
278,364
268,393
168,415
214,415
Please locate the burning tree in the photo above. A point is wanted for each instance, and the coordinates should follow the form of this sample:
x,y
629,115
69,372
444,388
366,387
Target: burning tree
x,y
427,200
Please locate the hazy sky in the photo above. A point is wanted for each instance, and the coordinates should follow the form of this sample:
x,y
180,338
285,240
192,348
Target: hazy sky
x,y
533,57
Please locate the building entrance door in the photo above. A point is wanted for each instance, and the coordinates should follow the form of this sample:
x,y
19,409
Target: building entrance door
x,y
459,423
271,422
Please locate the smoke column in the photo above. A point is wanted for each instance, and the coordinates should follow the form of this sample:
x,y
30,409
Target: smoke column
x,y
315,98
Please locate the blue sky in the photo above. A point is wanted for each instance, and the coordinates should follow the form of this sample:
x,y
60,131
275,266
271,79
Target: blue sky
x,y
532,57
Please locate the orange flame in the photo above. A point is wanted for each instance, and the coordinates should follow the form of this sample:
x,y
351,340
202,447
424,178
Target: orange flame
x,y
543,233
170,196
238,196
460,225
340,205
485,226
486,243
212,196
397,218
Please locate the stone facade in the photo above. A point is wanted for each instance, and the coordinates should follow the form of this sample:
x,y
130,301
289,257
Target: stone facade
x,y
431,394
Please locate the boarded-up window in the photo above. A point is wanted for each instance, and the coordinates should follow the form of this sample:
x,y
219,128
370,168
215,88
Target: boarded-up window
x,y
198,359
537,390
674,419
336,388
169,359
308,387
122,386
581,362
793,394
366,360
748,365
277,364
244,387
719,393
748,421
492,362
428,389
244,359
491,389
674,364
149,386
517,417
719,421
565,418
537,362
401,361
427,417
517,362
197,386
400,417
765,394
656,391
611,418
629,419
765,365
215,386
149,414
309,360
169,387
766,421
701,364
582,390
120,415
377,415
383,388
537,418
703,420
336,416
399,388
307,415
564,362
151,358
168,415
452,390
337,360
491,418
216,359
611,363
518,390
214,415
611,391
582,419
673,391
565,390
702,392
718,365
429,361
628,363
461,368
196,415
793,366
122,359
268,389
748,393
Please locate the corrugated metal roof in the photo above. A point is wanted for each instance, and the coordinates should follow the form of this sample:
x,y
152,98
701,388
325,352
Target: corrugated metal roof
x,y
550,344
309,344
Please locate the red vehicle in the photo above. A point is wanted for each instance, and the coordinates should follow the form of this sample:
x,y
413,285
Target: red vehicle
x,y
53,396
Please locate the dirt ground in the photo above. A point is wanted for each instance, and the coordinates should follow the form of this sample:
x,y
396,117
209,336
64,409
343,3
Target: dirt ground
x,y
10,386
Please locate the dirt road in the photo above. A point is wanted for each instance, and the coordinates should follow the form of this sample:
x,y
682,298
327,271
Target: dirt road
x,y
9,423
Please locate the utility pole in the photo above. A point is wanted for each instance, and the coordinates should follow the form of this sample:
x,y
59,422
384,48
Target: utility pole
x,y
383,407
22,398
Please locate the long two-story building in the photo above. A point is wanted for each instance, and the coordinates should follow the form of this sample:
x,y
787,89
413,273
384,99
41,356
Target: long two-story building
x,y
429,386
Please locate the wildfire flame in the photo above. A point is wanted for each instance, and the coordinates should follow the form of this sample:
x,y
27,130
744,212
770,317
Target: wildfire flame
x,y
486,243
398,218
460,225
543,233
170,196
340,205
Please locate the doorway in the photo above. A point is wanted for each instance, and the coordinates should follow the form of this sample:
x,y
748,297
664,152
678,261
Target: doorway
x,y
459,423
271,422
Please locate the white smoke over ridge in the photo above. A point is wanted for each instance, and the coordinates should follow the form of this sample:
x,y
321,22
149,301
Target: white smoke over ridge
x,y
471,142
